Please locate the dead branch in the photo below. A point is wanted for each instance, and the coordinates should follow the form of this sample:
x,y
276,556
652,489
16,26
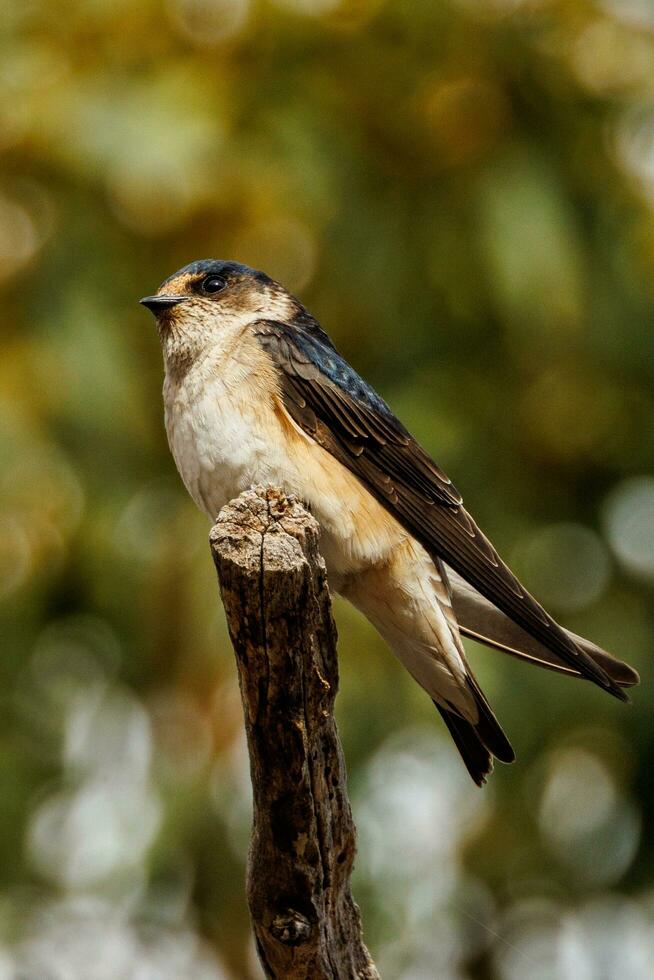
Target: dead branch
x,y
274,590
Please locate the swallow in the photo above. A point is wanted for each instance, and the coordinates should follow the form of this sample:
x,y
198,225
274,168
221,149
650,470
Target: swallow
x,y
256,392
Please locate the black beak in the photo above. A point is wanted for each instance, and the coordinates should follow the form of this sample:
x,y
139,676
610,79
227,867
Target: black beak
x,y
157,304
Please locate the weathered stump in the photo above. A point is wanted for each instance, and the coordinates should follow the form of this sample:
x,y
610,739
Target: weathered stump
x,y
274,590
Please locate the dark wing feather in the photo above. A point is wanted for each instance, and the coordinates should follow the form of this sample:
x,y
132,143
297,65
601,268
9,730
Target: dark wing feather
x,y
334,406
481,620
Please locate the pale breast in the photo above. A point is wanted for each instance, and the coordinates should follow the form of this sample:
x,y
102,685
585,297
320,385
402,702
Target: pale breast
x,y
216,431
227,430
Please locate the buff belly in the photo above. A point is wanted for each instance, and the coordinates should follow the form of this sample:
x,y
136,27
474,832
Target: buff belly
x,y
225,437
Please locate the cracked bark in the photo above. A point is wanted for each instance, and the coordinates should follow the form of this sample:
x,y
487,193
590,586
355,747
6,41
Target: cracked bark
x,y
274,590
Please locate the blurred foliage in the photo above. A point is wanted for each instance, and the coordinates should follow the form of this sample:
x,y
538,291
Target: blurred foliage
x,y
463,192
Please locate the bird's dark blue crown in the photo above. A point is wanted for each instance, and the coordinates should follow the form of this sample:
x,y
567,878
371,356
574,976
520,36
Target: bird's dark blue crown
x,y
218,267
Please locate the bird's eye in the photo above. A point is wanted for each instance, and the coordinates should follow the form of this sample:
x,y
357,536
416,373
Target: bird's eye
x,y
212,284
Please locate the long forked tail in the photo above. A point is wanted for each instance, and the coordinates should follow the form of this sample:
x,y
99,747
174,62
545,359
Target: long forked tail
x,y
477,758
408,601
478,743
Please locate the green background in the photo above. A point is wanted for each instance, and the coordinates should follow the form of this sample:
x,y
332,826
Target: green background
x,y
463,194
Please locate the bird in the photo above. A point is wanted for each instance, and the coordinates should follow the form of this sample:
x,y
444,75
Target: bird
x,y
255,392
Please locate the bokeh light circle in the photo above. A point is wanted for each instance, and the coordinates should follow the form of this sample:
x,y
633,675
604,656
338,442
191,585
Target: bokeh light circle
x,y
629,522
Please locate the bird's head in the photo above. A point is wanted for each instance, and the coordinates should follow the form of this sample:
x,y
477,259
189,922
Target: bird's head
x,y
200,304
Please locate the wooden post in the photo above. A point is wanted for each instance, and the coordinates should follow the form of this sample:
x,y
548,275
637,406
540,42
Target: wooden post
x,y
274,590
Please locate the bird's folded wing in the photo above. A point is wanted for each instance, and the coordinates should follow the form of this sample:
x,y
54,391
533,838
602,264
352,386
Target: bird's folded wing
x,y
334,406
481,620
